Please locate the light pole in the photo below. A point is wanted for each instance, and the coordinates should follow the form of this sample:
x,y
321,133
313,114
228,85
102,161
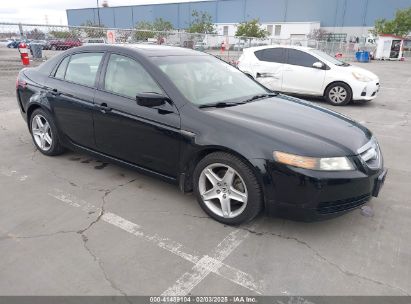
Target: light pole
x,y
98,13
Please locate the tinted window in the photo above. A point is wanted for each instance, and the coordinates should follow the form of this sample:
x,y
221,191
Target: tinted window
x,y
82,68
62,68
127,77
271,55
296,57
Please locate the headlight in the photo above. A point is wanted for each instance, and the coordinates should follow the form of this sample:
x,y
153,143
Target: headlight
x,y
361,77
313,163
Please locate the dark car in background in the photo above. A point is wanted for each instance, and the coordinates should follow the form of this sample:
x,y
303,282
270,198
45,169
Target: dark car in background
x,y
15,43
62,44
42,43
194,120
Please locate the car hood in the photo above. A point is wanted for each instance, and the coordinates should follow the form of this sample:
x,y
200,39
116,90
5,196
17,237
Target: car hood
x,y
292,125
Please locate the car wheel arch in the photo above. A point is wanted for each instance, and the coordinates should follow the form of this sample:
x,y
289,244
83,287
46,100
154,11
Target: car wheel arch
x,y
186,177
336,82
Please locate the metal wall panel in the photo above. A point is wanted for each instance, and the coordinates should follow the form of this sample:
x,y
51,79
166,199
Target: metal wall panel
x,y
331,13
106,16
142,13
78,17
123,16
313,10
266,10
168,12
230,11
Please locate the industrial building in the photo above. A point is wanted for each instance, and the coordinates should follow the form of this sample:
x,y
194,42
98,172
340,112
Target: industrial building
x,y
284,19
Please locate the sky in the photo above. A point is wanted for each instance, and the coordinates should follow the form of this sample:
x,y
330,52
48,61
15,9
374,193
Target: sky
x,y
54,11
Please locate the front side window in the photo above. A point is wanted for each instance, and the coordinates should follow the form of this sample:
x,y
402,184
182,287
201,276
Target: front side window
x,y
205,79
127,77
296,57
82,68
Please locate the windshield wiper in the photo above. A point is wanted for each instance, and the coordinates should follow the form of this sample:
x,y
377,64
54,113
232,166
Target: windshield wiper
x,y
259,96
220,104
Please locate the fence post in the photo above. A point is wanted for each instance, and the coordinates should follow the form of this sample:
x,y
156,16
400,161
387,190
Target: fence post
x,y
21,31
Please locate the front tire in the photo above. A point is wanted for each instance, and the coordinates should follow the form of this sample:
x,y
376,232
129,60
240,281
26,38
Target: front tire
x,y
44,133
227,189
338,94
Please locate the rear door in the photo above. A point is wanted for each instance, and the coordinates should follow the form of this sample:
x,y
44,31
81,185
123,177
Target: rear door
x,y
148,137
268,70
71,92
300,76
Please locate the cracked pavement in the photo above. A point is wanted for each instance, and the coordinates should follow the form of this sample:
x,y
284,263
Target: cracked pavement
x,y
65,246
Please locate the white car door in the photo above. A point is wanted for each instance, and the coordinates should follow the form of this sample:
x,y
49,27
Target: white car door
x,y
300,76
268,70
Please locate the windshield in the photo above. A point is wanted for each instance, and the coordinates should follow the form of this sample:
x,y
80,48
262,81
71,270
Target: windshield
x,y
329,58
206,79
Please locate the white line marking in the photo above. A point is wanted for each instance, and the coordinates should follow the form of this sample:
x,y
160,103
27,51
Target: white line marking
x,y
203,266
209,264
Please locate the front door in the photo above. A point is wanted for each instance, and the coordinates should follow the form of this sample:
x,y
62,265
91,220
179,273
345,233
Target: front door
x,y
147,137
300,76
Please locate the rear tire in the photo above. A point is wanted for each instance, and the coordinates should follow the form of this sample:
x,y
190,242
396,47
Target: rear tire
x,y
44,133
338,94
227,189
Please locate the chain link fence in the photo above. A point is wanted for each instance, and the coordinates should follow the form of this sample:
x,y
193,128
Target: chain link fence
x,y
53,38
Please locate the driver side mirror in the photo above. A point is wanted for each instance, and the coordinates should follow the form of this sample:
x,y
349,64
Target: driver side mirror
x,y
151,99
318,65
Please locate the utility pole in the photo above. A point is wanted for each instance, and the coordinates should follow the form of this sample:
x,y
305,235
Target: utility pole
x,y
98,13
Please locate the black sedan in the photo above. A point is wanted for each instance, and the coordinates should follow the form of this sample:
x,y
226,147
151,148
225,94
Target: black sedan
x,y
191,119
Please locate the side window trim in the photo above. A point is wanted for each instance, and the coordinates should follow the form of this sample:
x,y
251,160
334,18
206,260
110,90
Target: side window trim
x,y
56,67
102,80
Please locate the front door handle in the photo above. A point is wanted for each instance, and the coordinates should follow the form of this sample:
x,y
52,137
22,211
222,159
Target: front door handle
x,y
55,92
104,108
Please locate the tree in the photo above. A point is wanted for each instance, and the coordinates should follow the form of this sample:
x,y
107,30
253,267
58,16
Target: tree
x,y
162,25
146,29
202,23
318,34
93,30
400,25
251,29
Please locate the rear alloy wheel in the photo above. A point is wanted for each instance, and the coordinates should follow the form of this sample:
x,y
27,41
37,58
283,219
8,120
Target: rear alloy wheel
x,y
227,189
53,48
44,133
338,94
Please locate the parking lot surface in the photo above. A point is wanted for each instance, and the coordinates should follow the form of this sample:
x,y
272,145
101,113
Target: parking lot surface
x,y
71,225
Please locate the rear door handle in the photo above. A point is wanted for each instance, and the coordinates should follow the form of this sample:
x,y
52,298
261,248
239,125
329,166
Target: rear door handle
x,y
104,108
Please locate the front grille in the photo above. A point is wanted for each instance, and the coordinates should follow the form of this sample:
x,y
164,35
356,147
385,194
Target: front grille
x,y
370,154
342,205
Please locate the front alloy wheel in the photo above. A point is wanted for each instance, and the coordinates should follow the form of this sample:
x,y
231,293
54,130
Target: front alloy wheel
x,y
223,190
227,188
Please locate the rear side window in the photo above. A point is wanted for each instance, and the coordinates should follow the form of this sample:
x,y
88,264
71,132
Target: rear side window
x,y
271,55
296,57
127,77
82,68
61,70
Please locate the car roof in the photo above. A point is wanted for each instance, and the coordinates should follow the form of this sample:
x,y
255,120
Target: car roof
x,y
147,50
257,48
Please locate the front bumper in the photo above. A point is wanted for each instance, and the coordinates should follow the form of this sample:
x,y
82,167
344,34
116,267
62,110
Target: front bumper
x,y
306,195
366,90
